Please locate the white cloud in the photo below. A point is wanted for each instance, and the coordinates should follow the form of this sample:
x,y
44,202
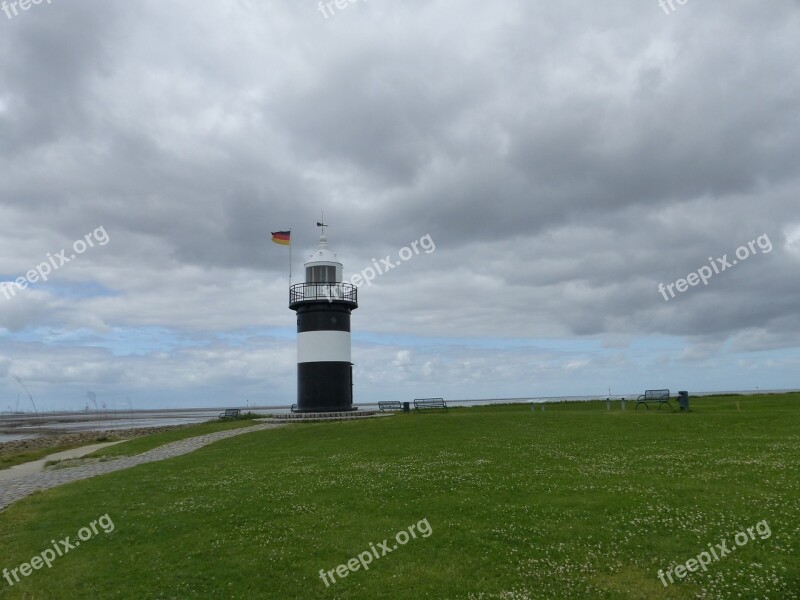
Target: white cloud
x,y
565,157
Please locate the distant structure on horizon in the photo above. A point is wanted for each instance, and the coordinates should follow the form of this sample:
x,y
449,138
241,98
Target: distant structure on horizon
x,y
323,305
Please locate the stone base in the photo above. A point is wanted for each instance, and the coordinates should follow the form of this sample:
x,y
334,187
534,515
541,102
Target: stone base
x,y
323,416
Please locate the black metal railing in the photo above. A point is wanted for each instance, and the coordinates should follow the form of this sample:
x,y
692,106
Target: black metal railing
x,y
330,292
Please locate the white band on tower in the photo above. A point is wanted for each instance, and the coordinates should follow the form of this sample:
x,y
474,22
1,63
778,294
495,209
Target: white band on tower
x,y
323,346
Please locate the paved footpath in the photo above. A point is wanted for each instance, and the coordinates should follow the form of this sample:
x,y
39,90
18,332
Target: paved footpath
x,y
17,488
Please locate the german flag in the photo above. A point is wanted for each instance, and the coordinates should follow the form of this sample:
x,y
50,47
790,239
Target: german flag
x,y
282,237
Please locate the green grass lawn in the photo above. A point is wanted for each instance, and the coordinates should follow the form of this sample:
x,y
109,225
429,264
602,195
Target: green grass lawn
x,y
572,502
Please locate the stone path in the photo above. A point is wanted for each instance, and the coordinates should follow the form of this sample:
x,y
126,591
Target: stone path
x,y
17,488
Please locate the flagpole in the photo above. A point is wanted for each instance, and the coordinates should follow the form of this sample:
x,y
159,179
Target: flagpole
x,y
284,238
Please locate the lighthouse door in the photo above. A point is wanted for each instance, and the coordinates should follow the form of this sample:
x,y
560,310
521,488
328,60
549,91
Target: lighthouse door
x,y
351,383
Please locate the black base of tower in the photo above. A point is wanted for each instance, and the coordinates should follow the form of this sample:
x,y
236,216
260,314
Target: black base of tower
x,y
325,387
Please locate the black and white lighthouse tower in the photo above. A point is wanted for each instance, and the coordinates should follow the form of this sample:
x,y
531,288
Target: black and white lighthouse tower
x,y
323,305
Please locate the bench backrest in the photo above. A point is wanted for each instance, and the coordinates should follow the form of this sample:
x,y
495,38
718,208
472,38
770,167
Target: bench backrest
x,y
231,412
432,401
656,394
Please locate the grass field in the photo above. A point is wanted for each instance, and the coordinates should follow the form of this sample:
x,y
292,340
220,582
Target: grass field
x,y
572,502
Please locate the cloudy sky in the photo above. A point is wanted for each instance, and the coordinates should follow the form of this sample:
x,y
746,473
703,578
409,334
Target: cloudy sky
x,y
565,158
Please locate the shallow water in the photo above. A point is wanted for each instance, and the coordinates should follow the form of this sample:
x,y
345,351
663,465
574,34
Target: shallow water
x,y
10,437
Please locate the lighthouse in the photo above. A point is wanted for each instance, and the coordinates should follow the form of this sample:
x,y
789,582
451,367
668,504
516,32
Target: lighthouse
x,y
323,305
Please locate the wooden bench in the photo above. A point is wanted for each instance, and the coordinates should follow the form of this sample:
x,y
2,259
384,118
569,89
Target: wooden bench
x,y
423,403
389,405
659,397
230,413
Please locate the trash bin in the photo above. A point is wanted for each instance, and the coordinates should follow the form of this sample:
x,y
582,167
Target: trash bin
x,y
683,400
406,406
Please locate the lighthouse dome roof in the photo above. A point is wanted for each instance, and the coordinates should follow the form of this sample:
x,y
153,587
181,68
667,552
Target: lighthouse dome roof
x,y
322,254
